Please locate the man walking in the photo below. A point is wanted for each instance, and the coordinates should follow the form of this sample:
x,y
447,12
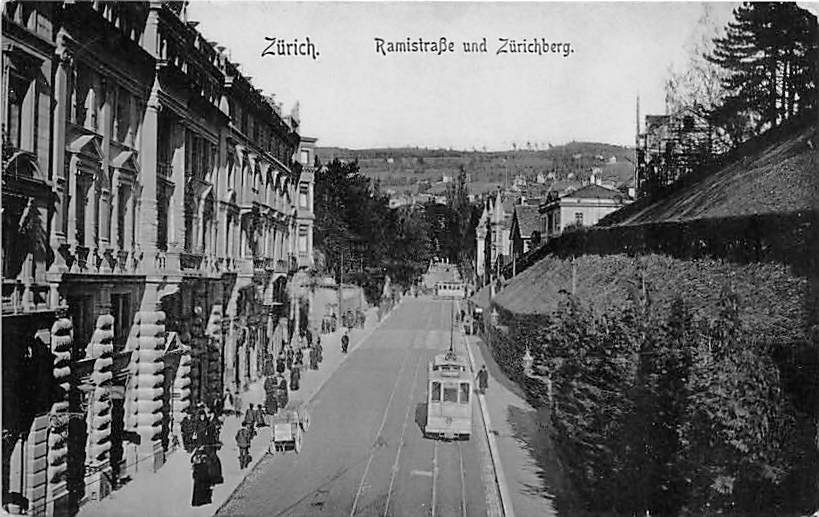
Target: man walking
x,y
345,342
243,438
250,419
483,379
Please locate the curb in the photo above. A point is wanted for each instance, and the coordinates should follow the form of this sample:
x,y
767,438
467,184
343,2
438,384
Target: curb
x,y
367,333
500,477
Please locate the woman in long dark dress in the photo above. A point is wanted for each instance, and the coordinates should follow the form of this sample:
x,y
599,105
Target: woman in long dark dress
x,y
270,401
202,488
295,377
282,393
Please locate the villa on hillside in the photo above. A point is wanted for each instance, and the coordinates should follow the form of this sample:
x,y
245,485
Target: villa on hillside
x,y
526,229
583,207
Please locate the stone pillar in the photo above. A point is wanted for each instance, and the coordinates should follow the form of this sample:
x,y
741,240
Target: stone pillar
x,y
59,228
147,367
181,392
116,200
214,346
57,489
148,223
97,455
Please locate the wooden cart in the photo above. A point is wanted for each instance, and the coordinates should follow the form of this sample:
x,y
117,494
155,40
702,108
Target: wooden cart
x,y
287,428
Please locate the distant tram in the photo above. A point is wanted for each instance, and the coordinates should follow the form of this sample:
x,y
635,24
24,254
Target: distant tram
x,y
449,398
450,290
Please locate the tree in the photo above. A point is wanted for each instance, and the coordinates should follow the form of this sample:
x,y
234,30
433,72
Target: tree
x,y
769,54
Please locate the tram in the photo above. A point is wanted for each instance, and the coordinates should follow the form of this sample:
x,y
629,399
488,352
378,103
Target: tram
x,y
449,398
450,290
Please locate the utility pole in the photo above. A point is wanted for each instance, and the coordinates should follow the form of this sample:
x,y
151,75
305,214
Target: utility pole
x,y
340,284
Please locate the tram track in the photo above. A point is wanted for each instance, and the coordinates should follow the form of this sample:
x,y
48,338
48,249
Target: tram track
x,y
416,341
396,463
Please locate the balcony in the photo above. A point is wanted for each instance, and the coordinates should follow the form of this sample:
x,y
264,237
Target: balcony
x,y
190,261
19,298
281,266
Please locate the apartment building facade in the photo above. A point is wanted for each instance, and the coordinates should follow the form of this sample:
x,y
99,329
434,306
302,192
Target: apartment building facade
x,y
154,206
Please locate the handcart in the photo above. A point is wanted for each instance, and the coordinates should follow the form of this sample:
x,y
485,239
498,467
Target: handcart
x,y
287,428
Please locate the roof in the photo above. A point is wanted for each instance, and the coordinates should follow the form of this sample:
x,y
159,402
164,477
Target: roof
x,y
596,192
528,219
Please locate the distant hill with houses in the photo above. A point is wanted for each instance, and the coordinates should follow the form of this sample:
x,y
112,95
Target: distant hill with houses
x,y
402,170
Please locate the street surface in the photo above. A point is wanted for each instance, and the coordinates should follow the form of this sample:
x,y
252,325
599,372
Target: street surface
x,y
364,453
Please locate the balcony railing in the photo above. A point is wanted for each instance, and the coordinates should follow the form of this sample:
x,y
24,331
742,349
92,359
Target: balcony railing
x,y
19,298
190,261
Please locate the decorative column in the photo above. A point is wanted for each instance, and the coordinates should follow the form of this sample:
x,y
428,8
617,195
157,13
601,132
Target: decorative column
x,y
97,456
116,199
214,350
181,392
197,356
148,223
59,228
57,488
145,416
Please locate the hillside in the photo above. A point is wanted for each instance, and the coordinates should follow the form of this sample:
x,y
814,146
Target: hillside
x,y
400,169
774,173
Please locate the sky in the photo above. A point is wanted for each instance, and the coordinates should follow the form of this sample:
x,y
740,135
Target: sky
x,y
351,95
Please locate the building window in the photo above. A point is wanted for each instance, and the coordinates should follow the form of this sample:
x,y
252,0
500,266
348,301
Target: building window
x,y
162,221
122,120
578,218
305,157
121,311
304,196
303,239
18,88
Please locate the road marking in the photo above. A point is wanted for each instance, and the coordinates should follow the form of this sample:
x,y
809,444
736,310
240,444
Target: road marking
x,y
434,475
425,473
403,433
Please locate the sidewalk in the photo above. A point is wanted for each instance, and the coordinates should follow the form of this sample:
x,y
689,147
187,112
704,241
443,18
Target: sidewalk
x,y
167,493
522,446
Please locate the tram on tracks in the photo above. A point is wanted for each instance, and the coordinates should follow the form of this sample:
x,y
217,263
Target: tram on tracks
x,y
450,290
449,398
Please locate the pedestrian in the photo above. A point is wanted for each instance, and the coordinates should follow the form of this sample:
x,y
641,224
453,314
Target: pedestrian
x,y
295,377
283,393
319,349
280,366
270,401
289,358
299,358
483,379
243,439
237,403
259,417
187,427
250,419
309,336
228,406
313,359
345,342
200,430
202,487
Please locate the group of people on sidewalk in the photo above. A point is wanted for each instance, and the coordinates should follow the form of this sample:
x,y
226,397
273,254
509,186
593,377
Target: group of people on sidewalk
x,y
200,429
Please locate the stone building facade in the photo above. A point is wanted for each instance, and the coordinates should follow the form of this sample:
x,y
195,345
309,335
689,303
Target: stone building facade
x,y
152,218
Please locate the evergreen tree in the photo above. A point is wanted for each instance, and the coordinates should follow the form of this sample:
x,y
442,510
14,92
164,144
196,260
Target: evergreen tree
x,y
770,53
